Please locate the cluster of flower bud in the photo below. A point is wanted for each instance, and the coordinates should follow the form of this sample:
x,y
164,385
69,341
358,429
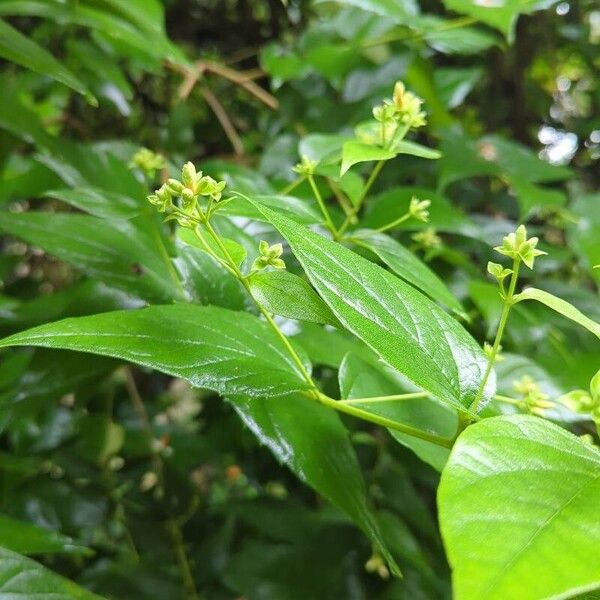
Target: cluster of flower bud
x,y
518,247
148,161
584,402
305,167
404,108
427,239
189,190
534,401
269,256
418,209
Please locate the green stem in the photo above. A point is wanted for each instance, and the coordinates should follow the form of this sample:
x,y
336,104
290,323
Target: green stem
x,y
374,399
508,302
383,421
344,203
313,392
292,186
370,181
187,577
322,205
297,360
392,224
508,400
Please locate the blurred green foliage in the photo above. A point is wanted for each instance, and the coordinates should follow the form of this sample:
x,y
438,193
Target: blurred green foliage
x,y
136,485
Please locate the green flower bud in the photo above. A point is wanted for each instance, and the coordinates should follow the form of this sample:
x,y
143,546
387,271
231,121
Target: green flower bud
x,y
305,167
498,271
175,187
578,401
147,161
488,350
189,176
418,209
428,238
269,256
188,200
207,186
161,198
517,246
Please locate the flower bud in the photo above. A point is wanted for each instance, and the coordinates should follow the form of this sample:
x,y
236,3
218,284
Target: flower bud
x,y
428,238
518,247
418,209
188,176
147,161
175,187
305,167
498,271
269,256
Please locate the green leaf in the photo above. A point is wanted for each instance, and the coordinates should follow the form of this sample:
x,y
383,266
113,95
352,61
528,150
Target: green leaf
x,y
99,202
357,152
288,295
116,252
414,149
501,15
26,538
408,331
235,250
14,46
560,306
530,196
406,265
225,351
300,210
21,577
319,452
398,12
518,506
359,379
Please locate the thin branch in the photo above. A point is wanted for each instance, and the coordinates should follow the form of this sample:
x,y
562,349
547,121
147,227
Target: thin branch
x,y
224,120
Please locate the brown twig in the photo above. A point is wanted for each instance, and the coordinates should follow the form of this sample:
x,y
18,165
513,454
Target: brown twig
x,y
223,117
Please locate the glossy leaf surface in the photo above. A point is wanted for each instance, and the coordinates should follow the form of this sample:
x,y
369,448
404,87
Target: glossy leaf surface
x,y
566,309
515,491
288,295
21,577
408,331
319,452
225,351
406,265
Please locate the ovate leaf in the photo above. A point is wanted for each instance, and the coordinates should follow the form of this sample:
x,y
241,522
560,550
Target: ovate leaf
x,y
414,149
357,152
99,202
501,15
408,331
17,48
311,440
566,309
21,577
406,265
225,351
288,295
518,503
